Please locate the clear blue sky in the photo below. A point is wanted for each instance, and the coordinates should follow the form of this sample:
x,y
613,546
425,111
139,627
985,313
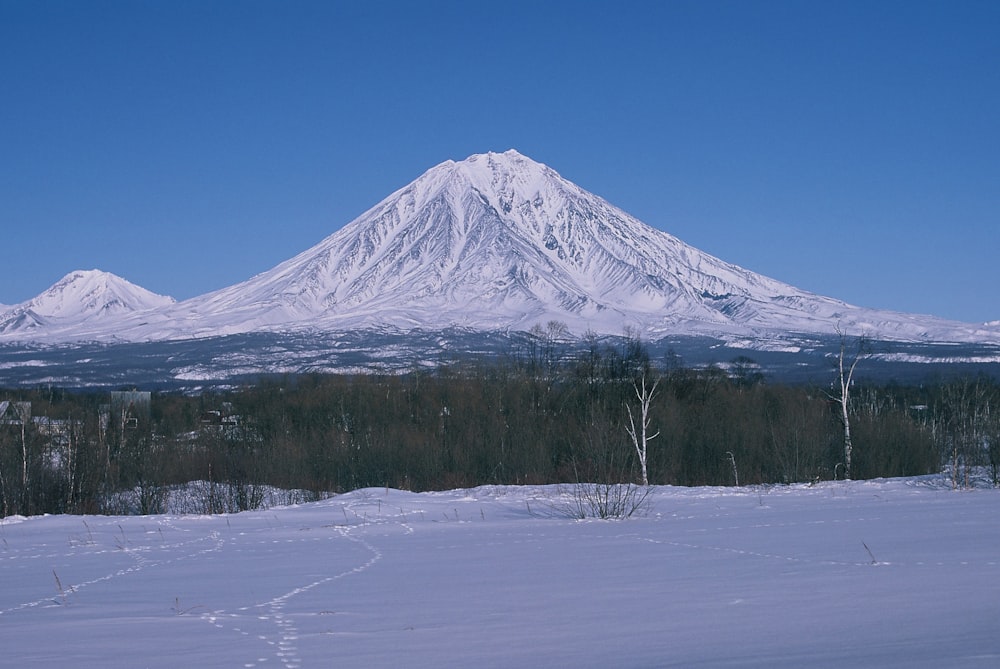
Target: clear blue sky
x,y
848,148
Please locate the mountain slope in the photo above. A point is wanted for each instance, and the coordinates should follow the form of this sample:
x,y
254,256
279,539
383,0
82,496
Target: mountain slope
x,y
498,242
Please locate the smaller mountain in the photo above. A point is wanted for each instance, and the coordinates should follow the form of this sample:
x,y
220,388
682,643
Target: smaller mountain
x,y
81,301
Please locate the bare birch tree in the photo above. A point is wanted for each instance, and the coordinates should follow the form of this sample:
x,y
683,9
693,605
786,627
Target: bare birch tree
x,y
640,436
847,362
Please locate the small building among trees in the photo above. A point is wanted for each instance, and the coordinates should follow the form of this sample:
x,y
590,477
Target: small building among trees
x,y
14,413
130,407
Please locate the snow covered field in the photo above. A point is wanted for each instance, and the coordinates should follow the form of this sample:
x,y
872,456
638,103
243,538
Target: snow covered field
x,y
497,577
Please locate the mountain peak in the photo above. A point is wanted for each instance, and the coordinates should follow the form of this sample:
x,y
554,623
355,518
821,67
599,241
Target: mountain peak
x,y
93,291
510,155
82,296
509,164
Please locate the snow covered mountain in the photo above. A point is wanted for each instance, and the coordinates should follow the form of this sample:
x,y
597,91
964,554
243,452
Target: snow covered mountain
x,y
494,242
80,302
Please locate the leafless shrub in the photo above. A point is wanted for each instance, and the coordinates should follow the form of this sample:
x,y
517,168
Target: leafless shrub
x,y
605,501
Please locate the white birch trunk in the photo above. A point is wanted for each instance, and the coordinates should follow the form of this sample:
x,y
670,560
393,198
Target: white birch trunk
x,y
640,436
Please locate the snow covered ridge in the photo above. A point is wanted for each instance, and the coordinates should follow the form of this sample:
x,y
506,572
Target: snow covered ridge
x,y
494,242
873,574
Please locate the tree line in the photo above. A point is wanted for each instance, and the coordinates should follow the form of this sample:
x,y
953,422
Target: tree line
x,y
545,416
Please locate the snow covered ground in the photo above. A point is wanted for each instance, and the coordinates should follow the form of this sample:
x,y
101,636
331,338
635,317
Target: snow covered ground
x,y
898,573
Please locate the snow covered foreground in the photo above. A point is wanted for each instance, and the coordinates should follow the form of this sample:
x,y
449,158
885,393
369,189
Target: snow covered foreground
x,y
497,577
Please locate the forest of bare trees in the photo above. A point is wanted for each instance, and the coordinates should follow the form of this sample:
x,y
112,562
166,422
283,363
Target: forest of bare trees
x,y
540,417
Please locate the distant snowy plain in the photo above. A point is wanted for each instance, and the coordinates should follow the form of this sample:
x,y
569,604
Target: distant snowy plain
x,y
891,573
